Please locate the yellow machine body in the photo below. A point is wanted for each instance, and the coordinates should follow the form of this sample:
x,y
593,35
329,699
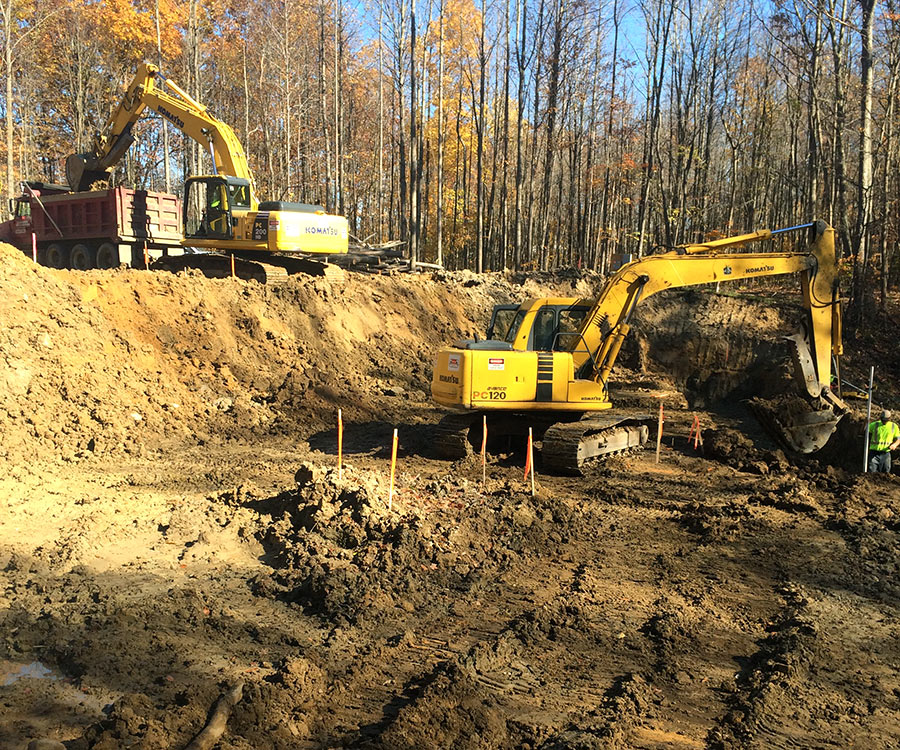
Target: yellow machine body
x,y
516,378
218,216
556,354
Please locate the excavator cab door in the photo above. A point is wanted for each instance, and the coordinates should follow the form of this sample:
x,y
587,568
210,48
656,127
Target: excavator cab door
x,y
207,209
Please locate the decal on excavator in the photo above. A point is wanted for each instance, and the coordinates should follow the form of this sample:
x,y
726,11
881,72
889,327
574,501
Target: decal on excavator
x,y
169,116
261,227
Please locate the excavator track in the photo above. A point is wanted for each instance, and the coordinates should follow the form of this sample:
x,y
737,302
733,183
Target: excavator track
x,y
451,436
264,268
567,446
505,431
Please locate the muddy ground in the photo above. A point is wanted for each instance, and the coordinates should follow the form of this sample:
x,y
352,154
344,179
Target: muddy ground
x,y
173,525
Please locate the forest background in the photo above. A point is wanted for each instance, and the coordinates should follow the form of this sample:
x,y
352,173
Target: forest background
x,y
525,134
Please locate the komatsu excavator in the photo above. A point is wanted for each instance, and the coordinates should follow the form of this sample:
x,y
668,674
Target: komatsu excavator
x,y
551,369
221,211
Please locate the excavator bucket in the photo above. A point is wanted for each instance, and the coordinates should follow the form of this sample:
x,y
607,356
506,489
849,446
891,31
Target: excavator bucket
x,y
796,423
802,423
80,174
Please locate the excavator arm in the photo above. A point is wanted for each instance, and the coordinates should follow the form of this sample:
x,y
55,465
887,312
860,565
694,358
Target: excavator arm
x,y
607,324
146,91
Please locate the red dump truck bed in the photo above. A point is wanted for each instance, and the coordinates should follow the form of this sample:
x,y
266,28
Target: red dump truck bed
x,y
95,229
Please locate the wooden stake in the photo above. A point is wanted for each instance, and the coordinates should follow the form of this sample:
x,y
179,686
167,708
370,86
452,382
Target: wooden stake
x,y
528,455
659,431
483,451
146,256
340,437
232,265
393,468
529,461
34,247
694,434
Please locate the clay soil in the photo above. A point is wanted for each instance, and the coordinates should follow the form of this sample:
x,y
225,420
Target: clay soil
x,y
172,524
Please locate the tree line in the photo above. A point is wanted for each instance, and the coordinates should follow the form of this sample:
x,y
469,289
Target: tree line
x,y
489,134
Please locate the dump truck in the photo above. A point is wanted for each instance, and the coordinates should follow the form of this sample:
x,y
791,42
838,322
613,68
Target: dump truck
x,y
93,229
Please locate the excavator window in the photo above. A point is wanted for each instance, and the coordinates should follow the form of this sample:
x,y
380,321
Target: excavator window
x,y
239,196
217,214
514,327
207,209
544,329
554,327
501,317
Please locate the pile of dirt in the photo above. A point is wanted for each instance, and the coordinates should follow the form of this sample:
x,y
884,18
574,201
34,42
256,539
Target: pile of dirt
x,y
125,361
343,551
735,449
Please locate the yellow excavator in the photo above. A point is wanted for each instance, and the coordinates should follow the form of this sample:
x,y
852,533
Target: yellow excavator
x,y
550,367
221,211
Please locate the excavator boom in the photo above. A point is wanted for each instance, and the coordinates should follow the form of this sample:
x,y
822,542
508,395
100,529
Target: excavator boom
x,y
176,106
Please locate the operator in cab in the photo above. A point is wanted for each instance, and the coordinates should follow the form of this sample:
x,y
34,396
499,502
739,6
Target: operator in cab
x,y
884,436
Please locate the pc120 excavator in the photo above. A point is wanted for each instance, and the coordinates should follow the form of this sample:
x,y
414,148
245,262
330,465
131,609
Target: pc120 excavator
x,y
221,211
550,369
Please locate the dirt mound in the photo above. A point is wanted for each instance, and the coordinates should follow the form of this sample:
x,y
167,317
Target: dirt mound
x,y
737,450
124,361
127,361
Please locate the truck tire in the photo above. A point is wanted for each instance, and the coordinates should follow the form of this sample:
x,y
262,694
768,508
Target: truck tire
x,y
56,255
107,255
82,257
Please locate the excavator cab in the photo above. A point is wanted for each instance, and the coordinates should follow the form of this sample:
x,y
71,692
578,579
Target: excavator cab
x,y
210,203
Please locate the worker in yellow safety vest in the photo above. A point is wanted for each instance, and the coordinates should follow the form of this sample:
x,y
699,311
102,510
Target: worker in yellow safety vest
x,y
884,436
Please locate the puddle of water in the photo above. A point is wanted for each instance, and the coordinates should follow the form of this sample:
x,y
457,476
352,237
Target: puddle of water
x,y
12,672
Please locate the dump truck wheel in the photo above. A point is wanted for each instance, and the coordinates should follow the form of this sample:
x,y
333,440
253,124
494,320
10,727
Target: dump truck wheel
x,y
107,255
56,256
82,257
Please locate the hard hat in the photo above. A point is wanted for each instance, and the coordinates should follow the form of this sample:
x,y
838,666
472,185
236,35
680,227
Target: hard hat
x,y
886,414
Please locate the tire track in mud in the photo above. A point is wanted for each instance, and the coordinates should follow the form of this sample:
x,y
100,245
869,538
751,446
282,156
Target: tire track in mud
x,y
755,716
661,678
601,688
670,685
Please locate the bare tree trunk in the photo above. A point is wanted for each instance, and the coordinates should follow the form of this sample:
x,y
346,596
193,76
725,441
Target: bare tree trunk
x,y
440,168
479,130
413,145
380,122
864,190
521,65
323,101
